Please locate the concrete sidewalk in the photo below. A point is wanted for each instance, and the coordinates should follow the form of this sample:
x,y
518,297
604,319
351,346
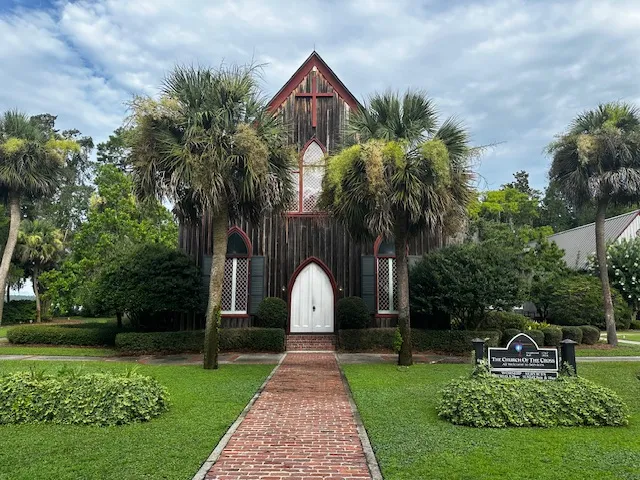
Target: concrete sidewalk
x,y
273,358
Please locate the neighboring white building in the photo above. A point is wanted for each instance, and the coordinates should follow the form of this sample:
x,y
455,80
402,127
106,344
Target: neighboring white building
x,y
580,242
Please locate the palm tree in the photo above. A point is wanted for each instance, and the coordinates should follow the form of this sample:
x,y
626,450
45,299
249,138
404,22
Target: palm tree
x,y
39,247
406,174
210,146
596,162
31,163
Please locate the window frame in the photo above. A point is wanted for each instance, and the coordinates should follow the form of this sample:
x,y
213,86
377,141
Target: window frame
x,y
234,275
390,259
299,171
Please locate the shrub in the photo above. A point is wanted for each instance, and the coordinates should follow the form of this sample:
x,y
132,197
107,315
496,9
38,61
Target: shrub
x,y
536,335
19,311
80,335
497,320
577,300
552,336
486,401
466,280
272,313
231,339
75,398
352,313
590,335
572,333
154,284
446,341
508,334
634,325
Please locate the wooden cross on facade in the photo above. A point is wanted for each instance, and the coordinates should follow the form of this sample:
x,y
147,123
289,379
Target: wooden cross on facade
x,y
314,94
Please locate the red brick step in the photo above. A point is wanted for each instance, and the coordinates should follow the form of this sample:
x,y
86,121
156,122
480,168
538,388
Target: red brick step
x,y
311,342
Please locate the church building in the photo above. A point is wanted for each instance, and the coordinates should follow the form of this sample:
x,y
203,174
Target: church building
x,y
302,255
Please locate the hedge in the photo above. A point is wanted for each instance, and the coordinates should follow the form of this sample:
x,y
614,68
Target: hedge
x,y
498,320
80,335
352,313
634,325
80,399
572,333
447,341
231,339
486,401
590,334
19,311
552,336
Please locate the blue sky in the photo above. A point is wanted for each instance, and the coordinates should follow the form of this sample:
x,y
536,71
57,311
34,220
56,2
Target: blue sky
x,y
515,71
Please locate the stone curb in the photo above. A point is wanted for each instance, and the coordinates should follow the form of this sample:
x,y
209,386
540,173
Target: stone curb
x,y
372,463
217,451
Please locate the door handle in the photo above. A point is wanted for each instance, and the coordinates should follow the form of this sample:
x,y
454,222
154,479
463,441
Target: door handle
x,y
314,308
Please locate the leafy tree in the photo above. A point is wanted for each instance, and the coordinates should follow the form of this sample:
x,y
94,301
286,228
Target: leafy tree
x,y
521,183
623,261
115,151
210,146
154,284
597,162
467,280
407,175
507,205
31,164
115,224
39,247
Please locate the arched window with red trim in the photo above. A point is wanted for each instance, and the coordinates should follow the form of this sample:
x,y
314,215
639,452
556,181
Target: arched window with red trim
x,y
307,178
235,287
386,277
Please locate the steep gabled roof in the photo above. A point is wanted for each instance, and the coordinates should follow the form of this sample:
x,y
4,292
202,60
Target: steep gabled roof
x,y
313,60
580,242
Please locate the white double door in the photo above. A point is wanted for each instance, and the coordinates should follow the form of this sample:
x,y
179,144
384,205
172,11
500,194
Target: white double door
x,y
312,301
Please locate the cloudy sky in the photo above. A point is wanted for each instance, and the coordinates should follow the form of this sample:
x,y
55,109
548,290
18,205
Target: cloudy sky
x,y
515,71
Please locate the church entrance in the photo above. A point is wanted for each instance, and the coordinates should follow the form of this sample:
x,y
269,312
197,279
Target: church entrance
x,y
312,301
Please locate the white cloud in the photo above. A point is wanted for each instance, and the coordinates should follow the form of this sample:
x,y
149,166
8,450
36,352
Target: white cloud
x,y
516,71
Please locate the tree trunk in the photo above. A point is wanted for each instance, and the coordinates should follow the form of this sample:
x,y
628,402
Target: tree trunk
x,y
14,226
119,319
220,226
601,253
405,356
36,292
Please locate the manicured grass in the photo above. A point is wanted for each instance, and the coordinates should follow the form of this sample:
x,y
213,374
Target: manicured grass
x,y
9,349
604,350
398,407
83,320
633,335
204,403
3,332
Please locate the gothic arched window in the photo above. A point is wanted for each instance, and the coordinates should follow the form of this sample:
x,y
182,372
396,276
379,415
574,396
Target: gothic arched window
x,y
307,178
235,287
387,283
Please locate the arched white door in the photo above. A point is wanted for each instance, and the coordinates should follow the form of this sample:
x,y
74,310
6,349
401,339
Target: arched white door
x,y
312,301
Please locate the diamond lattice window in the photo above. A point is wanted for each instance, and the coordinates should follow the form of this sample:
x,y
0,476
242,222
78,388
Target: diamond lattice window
x,y
235,287
308,179
387,286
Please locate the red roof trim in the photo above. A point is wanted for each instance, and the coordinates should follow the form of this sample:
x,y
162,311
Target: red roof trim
x,y
314,60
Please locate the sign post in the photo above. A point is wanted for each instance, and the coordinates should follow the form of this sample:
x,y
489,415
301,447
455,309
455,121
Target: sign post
x,y
522,358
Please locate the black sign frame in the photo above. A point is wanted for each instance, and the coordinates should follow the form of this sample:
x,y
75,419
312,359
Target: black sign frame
x,y
522,358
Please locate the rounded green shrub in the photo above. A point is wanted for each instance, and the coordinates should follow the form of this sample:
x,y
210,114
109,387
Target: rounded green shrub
x,y
634,325
552,336
75,398
508,334
272,313
486,401
498,320
536,335
577,300
352,313
590,334
572,333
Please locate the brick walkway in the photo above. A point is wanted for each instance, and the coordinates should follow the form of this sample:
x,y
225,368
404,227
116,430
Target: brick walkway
x,y
301,427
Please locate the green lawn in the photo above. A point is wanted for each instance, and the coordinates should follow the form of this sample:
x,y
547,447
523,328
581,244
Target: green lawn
x,y
204,403
603,350
411,442
629,335
3,332
9,349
